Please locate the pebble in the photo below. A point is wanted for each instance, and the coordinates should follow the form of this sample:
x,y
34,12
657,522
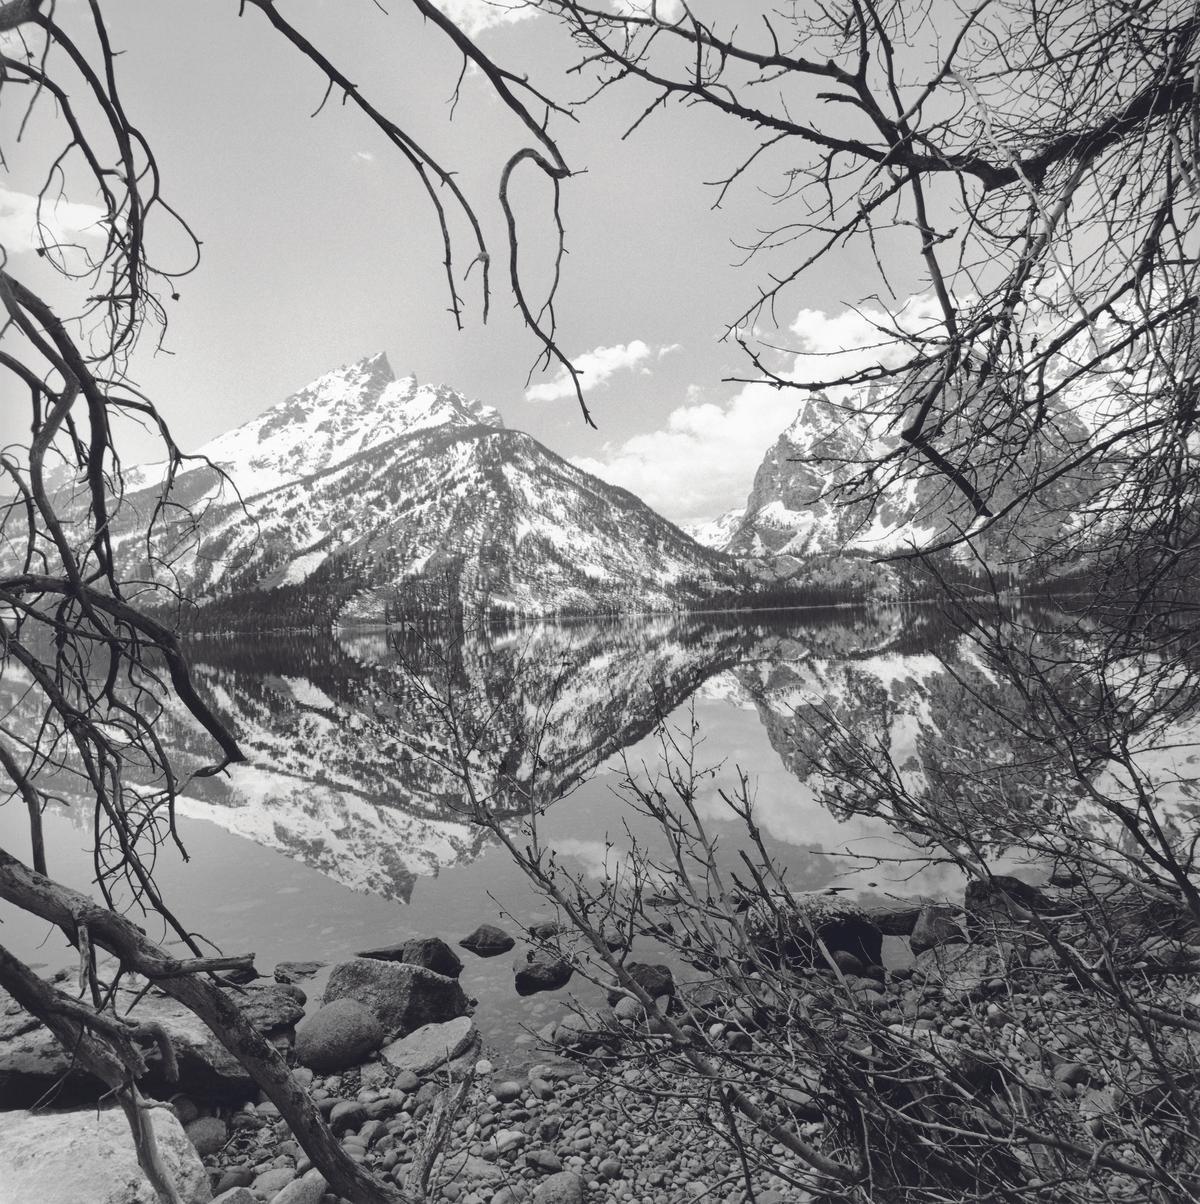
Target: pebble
x,y
508,1139
346,1115
310,1189
207,1134
271,1182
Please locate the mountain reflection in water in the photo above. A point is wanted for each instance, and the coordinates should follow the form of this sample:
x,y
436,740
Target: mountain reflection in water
x,y
349,775
350,767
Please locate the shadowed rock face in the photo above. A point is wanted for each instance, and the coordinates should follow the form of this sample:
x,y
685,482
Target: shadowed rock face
x,y
808,493
32,1062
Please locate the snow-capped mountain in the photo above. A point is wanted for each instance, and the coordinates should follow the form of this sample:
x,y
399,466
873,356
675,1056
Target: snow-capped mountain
x,y
809,494
341,414
797,504
364,496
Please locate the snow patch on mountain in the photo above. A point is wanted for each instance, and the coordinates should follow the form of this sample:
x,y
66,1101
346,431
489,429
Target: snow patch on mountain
x,y
717,532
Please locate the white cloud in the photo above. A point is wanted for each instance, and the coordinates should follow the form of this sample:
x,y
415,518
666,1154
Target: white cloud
x,y
595,367
474,16
854,340
22,228
703,463
364,156
666,11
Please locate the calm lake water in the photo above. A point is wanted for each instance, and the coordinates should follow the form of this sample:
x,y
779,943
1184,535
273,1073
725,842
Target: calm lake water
x,y
345,828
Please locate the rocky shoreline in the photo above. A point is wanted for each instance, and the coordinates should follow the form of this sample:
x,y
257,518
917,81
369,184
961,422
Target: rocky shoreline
x,y
392,1054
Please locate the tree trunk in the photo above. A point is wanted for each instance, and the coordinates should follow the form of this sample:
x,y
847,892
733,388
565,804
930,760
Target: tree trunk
x,y
60,905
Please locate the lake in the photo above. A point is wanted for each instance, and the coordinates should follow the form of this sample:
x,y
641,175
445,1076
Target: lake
x,y
345,828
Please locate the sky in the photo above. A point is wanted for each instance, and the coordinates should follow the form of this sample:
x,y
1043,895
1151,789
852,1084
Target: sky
x,y
319,248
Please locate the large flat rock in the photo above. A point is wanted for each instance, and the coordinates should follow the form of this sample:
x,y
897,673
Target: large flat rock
x,y
432,1045
88,1157
32,1061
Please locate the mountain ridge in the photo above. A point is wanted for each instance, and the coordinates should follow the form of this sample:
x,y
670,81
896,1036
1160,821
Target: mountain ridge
x,y
403,498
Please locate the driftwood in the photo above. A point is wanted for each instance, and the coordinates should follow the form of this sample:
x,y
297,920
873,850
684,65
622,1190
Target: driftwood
x,y
102,1045
91,1037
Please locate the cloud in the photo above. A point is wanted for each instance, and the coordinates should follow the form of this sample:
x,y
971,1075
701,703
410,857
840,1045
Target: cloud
x,y
595,367
22,228
853,340
702,463
666,11
474,16
364,156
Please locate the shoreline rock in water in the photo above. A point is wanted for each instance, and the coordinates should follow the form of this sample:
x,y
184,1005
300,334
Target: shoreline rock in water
x,y
390,1040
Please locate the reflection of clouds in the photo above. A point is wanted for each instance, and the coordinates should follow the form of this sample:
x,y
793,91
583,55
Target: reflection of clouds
x,y
600,861
596,858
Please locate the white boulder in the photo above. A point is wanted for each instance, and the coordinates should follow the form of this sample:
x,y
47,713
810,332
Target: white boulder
x,y
87,1157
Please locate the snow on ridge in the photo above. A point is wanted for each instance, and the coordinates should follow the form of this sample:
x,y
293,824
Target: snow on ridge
x,y
717,532
343,413
308,694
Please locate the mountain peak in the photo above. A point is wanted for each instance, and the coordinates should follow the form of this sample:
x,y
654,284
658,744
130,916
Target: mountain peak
x,y
341,414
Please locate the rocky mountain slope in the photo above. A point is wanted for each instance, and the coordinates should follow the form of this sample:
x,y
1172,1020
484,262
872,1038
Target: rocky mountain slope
x,y
365,497
807,497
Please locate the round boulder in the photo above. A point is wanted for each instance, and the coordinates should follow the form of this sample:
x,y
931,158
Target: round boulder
x,y
656,980
337,1036
310,1188
207,1134
541,970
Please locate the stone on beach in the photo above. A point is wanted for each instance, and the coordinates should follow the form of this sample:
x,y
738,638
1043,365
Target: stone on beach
x,y
432,1045
32,1061
207,1134
402,997
487,941
308,1189
88,1157
655,980
236,1195
787,928
935,926
287,972
566,1187
337,1035
429,951
541,970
